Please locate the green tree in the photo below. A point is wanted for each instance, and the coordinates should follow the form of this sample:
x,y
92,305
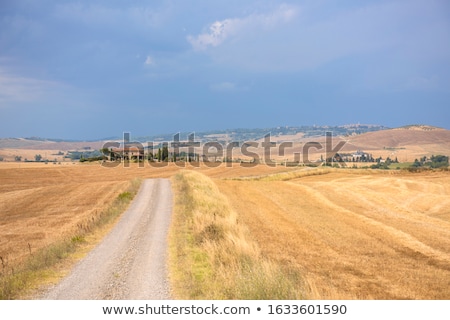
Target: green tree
x,y
105,151
388,162
165,153
416,163
159,154
38,157
439,161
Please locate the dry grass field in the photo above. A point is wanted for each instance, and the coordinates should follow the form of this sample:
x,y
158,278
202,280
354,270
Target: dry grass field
x,y
350,234
211,255
40,204
353,235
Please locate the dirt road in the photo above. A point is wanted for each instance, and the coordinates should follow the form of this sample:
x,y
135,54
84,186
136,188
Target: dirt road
x,y
130,263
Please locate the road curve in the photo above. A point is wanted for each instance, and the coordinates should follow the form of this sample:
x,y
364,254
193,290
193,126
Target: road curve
x,y
130,263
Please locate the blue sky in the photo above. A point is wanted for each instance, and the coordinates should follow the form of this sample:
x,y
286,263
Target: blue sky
x,y
93,69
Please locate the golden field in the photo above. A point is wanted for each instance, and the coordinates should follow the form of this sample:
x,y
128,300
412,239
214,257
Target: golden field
x,y
350,234
354,234
40,203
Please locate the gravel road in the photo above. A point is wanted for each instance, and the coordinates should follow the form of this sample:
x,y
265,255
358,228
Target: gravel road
x,y
130,263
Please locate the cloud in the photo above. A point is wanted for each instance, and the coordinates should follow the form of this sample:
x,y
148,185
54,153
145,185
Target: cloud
x,y
310,36
149,61
219,31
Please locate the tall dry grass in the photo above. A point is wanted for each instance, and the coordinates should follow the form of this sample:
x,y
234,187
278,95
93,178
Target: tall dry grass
x,y
40,265
210,254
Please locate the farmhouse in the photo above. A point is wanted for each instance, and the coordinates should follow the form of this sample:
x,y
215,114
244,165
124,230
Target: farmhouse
x,y
127,153
358,156
361,156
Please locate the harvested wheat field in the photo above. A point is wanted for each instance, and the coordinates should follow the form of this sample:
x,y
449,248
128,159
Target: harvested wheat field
x,y
353,234
41,204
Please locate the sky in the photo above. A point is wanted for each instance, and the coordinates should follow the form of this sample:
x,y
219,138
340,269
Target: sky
x,y
95,69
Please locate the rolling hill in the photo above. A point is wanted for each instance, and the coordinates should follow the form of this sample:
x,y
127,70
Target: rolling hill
x,y
405,143
402,137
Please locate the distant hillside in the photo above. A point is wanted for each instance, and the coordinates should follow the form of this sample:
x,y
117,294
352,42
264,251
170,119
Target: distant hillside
x,y
222,136
405,143
402,137
43,144
357,136
283,132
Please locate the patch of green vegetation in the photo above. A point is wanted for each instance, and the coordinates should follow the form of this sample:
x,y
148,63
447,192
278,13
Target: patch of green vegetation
x,y
78,239
435,162
400,165
124,196
393,148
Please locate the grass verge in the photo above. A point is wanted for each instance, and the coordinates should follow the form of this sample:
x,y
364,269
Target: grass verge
x,y
210,255
14,281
